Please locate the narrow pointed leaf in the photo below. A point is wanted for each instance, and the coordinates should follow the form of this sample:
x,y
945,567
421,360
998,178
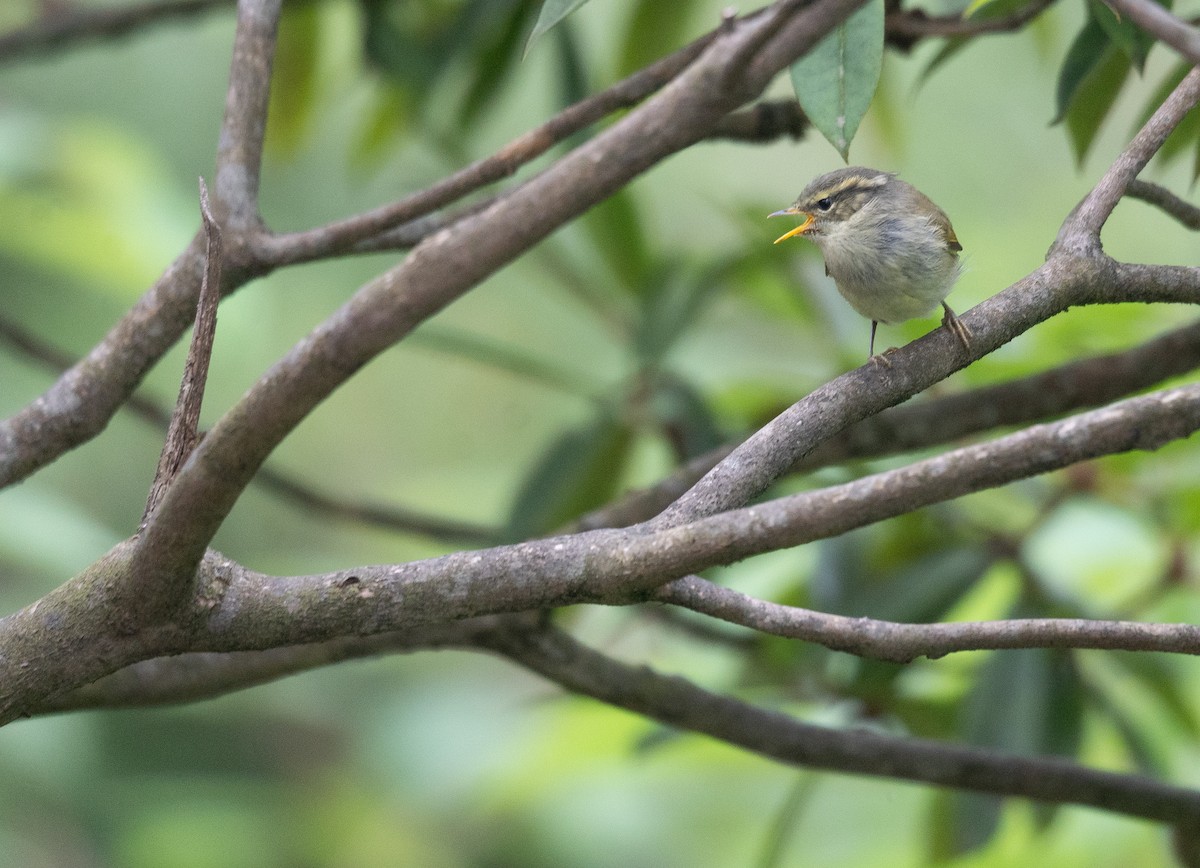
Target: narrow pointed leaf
x,y
835,81
553,11
1095,101
580,470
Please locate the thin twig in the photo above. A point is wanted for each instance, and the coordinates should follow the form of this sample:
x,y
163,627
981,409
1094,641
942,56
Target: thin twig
x,y
357,231
904,27
183,432
763,122
1185,212
73,25
902,643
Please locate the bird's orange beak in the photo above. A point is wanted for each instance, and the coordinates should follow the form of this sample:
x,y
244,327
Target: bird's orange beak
x,y
799,230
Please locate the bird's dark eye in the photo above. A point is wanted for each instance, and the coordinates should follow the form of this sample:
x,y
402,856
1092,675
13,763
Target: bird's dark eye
x,y
824,204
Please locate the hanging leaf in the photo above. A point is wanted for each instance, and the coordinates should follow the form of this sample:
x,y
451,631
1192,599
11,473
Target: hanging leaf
x,y
1095,101
1028,703
1184,137
1088,84
619,235
1087,52
1132,41
685,418
493,57
835,81
293,83
579,471
553,11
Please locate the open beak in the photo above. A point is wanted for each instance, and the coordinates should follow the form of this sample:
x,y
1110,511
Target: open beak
x,y
799,230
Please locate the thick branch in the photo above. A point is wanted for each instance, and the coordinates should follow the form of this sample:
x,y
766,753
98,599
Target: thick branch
x,y
1086,383
446,265
200,675
679,703
252,611
239,610
1074,273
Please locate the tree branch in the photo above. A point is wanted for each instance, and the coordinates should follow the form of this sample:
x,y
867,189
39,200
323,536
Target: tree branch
x,y
1074,273
446,265
903,643
1074,386
196,676
679,703
239,150
64,29
236,609
1185,212
184,428
905,27
250,611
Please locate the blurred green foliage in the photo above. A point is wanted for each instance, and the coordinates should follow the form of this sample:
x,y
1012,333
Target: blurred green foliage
x,y
660,324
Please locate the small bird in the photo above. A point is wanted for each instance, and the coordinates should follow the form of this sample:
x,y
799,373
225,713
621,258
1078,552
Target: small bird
x,y
892,253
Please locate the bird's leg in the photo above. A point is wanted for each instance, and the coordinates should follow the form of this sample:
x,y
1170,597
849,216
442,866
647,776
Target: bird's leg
x,y
957,327
880,360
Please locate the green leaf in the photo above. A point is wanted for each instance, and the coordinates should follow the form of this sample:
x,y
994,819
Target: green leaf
x,y
1029,703
1088,84
579,471
682,413
654,28
553,11
1087,52
1094,102
1186,136
979,10
294,79
383,120
502,356
493,56
912,571
1159,676
616,230
1133,42
835,81
674,297
572,72
950,48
